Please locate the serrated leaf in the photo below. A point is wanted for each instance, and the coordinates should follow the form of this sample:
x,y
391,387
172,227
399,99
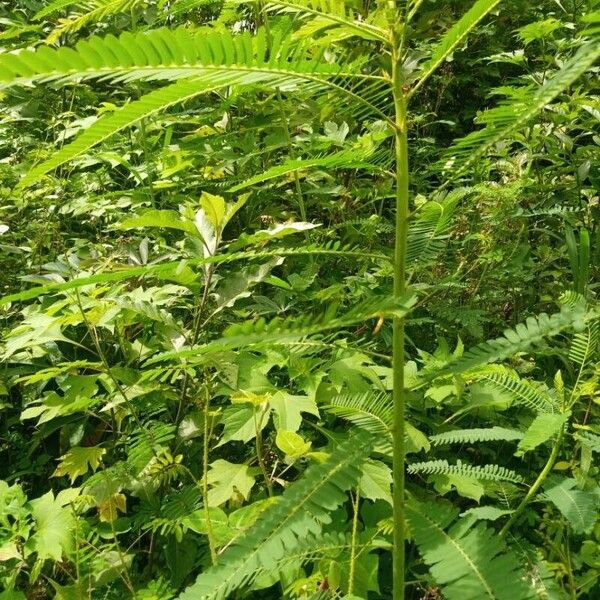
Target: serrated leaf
x,y
228,481
168,219
543,427
375,481
579,507
292,444
54,527
78,460
288,409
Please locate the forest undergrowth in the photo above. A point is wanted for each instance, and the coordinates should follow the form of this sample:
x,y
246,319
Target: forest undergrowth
x,y
299,299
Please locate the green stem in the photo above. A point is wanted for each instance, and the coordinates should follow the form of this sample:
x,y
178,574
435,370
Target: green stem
x,y
402,214
205,442
196,328
355,507
290,144
259,452
536,484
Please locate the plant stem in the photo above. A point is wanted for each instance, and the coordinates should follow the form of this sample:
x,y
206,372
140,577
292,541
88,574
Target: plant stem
x,y
536,484
259,452
292,154
355,507
205,442
196,327
402,213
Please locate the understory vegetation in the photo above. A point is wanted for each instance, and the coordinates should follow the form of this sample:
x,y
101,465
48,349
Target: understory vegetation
x,y
299,299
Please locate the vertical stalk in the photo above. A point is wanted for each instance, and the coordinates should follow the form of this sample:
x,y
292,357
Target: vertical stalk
x,y
205,449
541,478
399,396
355,508
259,450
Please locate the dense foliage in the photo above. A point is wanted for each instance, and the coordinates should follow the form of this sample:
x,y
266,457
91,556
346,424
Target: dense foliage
x,y
251,255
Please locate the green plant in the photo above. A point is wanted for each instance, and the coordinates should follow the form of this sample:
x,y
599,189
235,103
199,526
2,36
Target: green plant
x,y
135,353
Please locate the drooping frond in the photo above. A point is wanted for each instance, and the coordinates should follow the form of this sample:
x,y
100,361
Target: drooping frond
x,y
145,443
348,159
584,345
370,411
128,115
485,473
522,391
312,548
213,59
260,331
171,268
469,436
508,117
469,563
170,54
299,512
88,12
521,338
53,7
579,507
454,38
328,13
429,232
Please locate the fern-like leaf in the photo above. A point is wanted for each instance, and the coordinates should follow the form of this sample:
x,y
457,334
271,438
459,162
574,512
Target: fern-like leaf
x,y
126,116
469,436
521,391
430,230
519,339
213,59
326,13
454,38
370,411
579,507
468,563
300,511
484,473
344,159
171,268
88,12
584,345
260,331
52,8
505,119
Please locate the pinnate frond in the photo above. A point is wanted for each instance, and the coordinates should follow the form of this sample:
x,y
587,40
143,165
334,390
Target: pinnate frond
x,y
261,331
584,345
88,12
429,232
126,116
469,563
485,473
500,122
523,337
327,13
454,38
522,391
299,512
349,159
469,436
370,411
